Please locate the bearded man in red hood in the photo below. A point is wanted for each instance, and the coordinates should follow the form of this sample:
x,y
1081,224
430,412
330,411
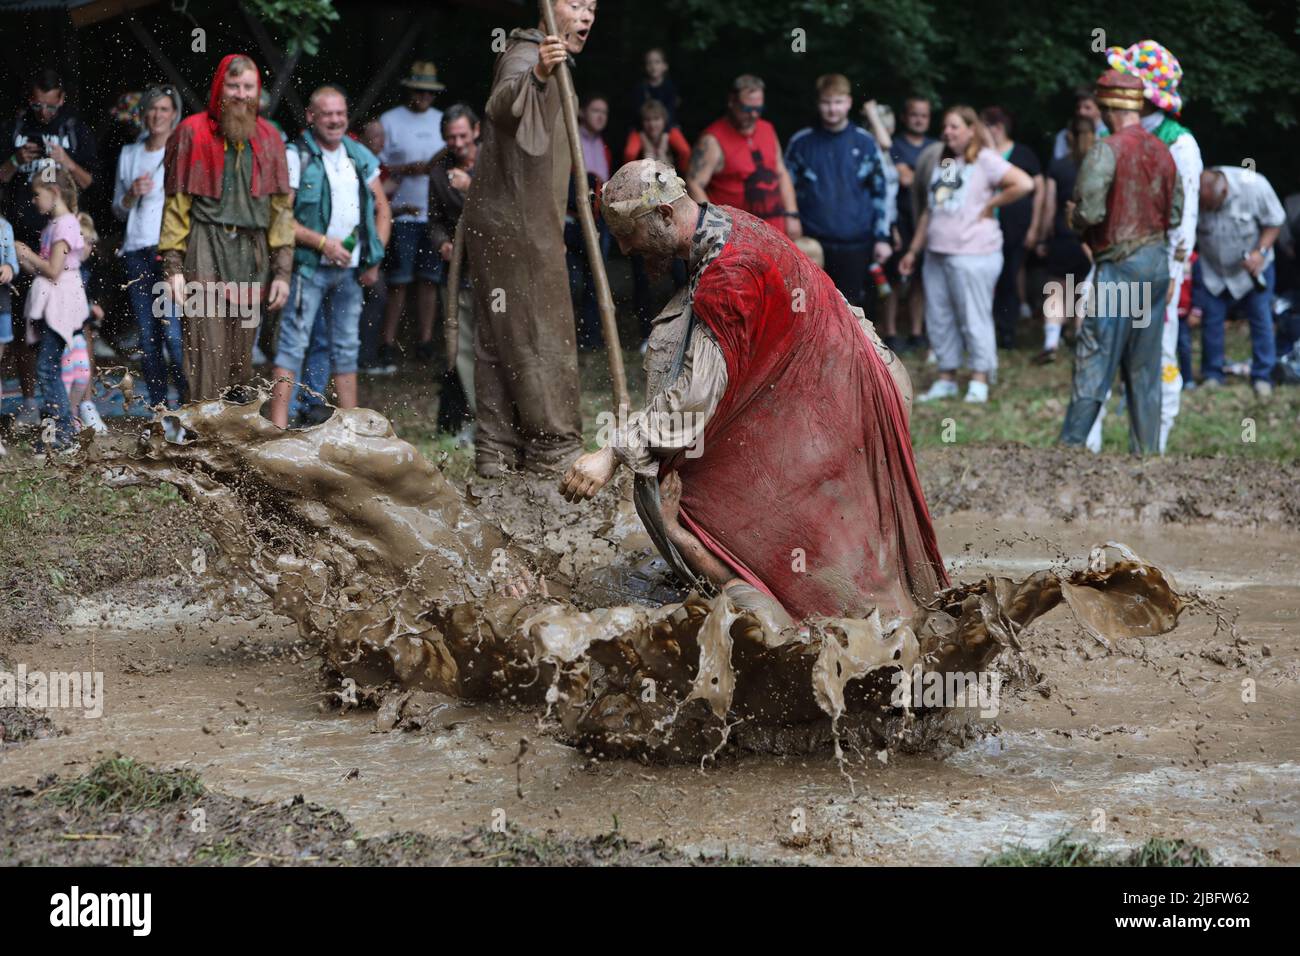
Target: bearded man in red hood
x,y
227,227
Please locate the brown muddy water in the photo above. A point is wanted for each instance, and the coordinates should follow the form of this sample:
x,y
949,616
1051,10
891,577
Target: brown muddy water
x,y
1151,738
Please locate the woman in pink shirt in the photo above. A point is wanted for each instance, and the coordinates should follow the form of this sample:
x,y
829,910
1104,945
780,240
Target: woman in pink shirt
x,y
962,242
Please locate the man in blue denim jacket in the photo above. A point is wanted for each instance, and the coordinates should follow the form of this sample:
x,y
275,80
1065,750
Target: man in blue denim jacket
x,y
343,223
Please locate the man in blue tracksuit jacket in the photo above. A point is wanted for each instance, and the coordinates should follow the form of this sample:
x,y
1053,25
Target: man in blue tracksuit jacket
x,y
839,179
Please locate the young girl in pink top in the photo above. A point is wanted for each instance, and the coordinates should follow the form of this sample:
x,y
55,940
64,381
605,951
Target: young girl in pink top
x,y
56,304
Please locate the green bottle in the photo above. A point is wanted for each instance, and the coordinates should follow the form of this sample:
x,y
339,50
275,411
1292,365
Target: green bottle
x,y
350,242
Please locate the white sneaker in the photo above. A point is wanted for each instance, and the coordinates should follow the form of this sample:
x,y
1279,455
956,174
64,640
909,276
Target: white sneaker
x,y
977,393
939,390
90,417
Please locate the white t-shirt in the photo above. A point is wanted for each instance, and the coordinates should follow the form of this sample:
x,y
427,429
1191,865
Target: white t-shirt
x,y
345,197
411,138
144,219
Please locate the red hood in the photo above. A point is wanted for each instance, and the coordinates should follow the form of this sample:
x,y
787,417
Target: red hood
x,y
219,81
195,157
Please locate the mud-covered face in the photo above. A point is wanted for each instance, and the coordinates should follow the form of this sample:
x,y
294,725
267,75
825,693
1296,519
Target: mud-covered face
x,y
652,236
574,19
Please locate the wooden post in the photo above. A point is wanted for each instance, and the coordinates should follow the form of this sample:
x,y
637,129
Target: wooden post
x,y
384,75
151,46
604,300
275,63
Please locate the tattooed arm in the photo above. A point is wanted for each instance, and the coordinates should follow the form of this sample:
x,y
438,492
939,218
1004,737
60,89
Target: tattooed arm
x,y
706,162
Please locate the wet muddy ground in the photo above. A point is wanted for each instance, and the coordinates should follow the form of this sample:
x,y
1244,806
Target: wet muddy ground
x,y
1152,739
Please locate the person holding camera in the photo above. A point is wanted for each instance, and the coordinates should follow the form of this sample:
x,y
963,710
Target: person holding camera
x,y
46,135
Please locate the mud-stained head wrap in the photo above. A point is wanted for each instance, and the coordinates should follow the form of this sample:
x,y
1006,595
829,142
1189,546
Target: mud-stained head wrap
x,y
643,186
1119,91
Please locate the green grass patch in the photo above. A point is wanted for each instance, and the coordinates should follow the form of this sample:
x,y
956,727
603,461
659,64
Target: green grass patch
x,y
121,784
1067,850
1027,406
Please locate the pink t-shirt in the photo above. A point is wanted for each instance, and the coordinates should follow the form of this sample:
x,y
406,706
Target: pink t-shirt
x,y
958,192
69,230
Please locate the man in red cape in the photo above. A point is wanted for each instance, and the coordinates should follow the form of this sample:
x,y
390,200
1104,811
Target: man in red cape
x,y
227,225
774,445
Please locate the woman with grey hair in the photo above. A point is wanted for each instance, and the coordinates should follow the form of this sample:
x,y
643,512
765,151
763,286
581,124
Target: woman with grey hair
x,y
138,201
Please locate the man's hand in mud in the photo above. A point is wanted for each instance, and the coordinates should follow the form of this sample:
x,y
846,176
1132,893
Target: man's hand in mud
x,y
524,584
670,498
551,53
279,294
589,474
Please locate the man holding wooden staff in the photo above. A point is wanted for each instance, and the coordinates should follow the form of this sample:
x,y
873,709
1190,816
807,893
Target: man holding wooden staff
x,y
526,358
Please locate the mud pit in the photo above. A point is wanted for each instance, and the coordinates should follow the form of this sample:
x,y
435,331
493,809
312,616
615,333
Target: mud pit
x,y
1152,734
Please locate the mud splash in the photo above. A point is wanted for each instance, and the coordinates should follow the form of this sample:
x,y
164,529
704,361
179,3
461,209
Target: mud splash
x,y
400,578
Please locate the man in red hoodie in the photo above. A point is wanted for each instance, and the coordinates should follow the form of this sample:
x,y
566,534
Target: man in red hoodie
x,y
227,227
773,457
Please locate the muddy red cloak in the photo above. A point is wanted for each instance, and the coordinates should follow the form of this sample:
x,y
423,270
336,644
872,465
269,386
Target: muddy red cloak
x,y
805,483
196,151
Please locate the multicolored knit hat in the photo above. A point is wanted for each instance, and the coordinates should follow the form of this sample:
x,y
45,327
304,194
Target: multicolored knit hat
x,y
1156,67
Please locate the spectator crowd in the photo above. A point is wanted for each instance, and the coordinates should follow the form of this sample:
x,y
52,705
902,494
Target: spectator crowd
x,y
958,240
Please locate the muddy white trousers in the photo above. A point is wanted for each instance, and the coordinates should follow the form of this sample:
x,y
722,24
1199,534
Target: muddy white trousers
x,y
959,309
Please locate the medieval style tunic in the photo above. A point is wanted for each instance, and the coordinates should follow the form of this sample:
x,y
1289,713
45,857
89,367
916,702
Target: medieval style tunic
x,y
526,369
228,218
801,477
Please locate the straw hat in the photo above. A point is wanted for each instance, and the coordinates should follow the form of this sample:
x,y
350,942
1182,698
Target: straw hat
x,y
424,76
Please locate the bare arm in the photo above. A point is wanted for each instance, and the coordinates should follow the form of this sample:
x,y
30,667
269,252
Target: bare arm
x,y
383,212
51,267
877,128
1015,184
787,182
1048,220
706,162
1036,224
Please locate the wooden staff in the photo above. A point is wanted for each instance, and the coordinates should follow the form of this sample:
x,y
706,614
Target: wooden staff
x,y
604,301
451,324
